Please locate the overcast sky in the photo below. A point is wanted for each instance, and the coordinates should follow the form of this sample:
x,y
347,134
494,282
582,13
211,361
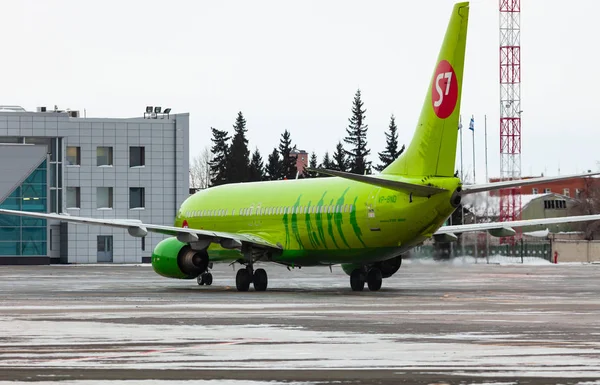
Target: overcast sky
x,y
296,65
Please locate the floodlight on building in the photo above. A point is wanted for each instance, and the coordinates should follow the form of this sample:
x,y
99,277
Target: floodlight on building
x,y
149,109
157,110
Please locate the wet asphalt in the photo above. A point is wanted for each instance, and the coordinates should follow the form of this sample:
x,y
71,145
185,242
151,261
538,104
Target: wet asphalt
x,y
432,323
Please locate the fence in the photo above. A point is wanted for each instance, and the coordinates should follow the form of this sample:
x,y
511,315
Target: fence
x,y
531,248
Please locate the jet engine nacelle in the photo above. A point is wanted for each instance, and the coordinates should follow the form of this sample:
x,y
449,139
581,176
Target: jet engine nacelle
x,y
174,259
388,267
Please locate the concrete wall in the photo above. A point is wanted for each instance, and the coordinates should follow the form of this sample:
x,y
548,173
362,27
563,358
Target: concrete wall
x,y
576,250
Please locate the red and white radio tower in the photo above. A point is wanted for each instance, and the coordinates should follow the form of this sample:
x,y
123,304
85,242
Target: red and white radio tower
x,y
510,106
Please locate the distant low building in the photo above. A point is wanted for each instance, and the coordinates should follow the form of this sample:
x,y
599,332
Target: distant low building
x,y
549,205
301,160
570,188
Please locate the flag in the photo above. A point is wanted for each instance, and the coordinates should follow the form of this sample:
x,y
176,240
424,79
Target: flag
x,y
472,124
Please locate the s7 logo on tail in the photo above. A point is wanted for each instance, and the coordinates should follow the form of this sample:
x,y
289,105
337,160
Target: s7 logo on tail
x,y
444,91
448,76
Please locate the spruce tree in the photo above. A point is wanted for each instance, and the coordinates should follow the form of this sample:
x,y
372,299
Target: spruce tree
x,y
357,138
312,163
391,152
326,164
220,159
273,169
339,158
288,161
257,169
239,164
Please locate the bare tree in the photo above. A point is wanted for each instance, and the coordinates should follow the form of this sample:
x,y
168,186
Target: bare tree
x,y
200,169
588,202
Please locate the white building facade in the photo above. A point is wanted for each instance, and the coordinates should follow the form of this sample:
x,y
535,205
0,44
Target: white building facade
x,y
134,168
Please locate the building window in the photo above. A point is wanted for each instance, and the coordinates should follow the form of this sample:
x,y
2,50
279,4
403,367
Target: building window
x,y
104,197
577,193
136,198
534,190
73,197
73,156
566,192
137,156
104,156
547,190
555,204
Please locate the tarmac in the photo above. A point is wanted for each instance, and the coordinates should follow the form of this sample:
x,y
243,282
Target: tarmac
x,y
432,323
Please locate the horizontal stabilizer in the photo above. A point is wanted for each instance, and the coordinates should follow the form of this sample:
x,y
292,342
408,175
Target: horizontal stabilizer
x,y
415,189
476,188
501,228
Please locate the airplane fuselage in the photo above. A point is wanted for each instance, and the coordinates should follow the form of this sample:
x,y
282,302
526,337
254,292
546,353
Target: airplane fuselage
x,y
322,220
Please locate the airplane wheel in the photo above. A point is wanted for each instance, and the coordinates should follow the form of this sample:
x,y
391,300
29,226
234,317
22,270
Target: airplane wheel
x,y
208,279
357,280
243,279
374,278
200,279
260,280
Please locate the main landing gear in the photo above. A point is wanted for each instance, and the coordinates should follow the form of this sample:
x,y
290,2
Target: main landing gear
x,y
205,279
373,277
248,275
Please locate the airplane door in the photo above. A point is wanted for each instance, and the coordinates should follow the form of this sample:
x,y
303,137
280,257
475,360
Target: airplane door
x,y
372,219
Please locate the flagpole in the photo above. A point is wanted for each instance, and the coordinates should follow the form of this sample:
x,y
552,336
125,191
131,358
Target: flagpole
x,y
462,207
461,152
487,202
473,131
472,127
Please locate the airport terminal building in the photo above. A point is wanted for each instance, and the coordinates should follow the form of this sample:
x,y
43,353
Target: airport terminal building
x,y
56,161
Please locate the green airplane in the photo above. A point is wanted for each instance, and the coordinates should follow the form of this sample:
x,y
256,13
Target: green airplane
x,y
363,222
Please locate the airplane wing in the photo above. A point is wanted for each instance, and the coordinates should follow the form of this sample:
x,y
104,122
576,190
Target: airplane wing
x,y
476,188
506,228
138,229
415,189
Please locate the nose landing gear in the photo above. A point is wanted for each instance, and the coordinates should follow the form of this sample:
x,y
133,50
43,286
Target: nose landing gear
x,y
205,279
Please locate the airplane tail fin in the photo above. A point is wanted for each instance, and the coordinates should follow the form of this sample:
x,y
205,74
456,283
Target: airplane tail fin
x,y
432,151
